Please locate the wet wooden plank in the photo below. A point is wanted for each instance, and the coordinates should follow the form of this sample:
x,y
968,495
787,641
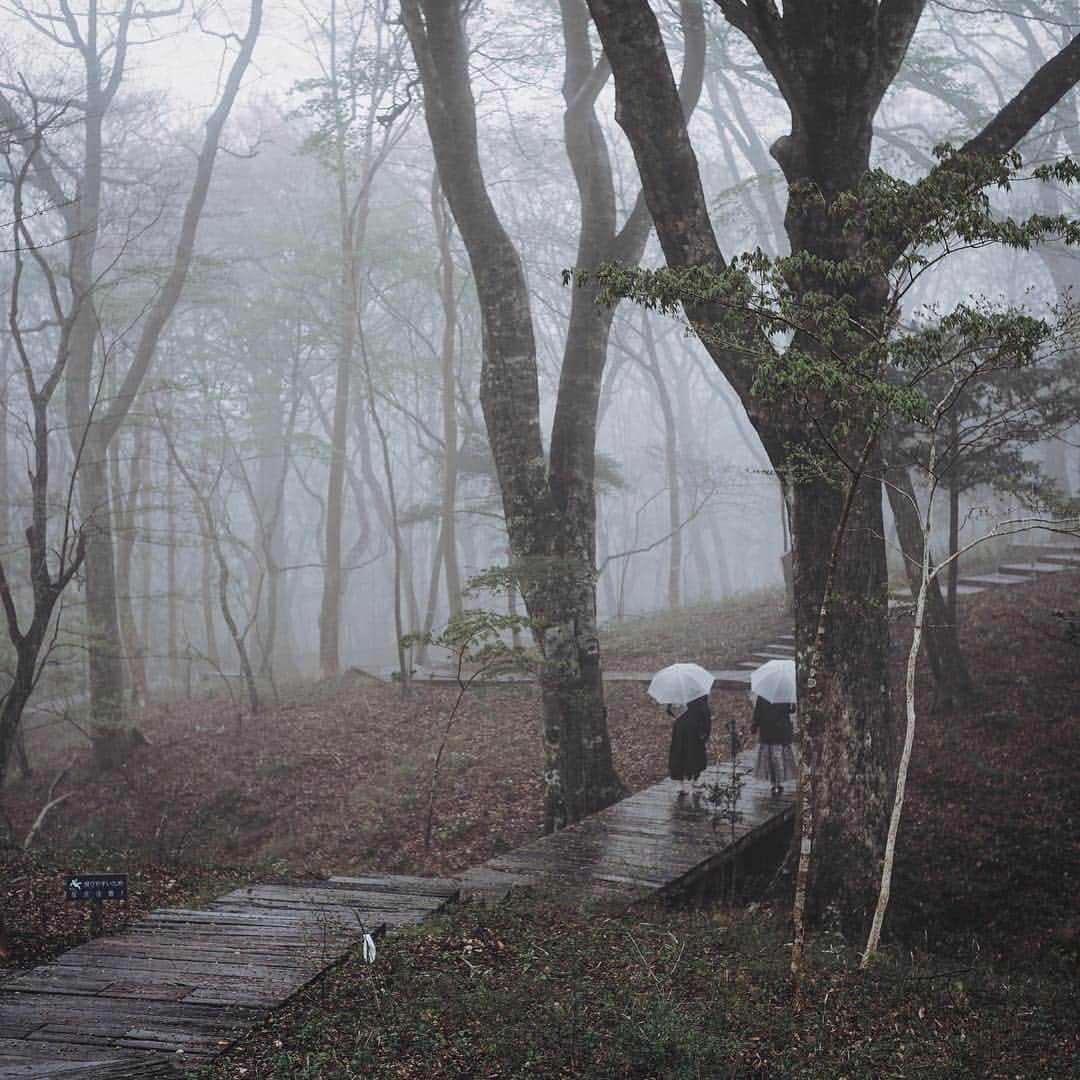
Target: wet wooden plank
x,y
162,985
187,951
332,899
24,1058
649,839
438,888
182,984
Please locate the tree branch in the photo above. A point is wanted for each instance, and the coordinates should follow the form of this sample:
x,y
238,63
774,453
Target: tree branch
x,y
50,803
1041,93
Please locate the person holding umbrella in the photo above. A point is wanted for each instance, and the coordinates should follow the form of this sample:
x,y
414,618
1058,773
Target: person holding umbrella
x,y
684,689
774,685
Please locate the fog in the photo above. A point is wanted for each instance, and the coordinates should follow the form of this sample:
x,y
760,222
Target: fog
x,y
327,274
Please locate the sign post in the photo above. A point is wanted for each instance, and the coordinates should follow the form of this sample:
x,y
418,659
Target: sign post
x,y
95,888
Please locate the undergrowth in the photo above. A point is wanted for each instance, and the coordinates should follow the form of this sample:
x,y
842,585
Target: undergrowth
x,y
532,988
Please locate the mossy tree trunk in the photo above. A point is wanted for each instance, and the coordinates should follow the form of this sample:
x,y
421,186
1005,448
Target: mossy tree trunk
x,y
832,63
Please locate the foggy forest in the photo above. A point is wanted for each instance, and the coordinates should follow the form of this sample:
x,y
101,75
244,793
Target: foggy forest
x,y
356,352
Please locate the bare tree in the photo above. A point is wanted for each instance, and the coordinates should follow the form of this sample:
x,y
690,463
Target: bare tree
x,y
205,494
75,181
358,121
51,563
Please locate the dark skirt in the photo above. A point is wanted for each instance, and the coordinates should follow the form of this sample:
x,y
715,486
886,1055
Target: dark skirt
x,y
775,763
687,758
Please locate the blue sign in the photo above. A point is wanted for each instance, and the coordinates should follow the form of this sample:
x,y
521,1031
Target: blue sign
x,y
98,887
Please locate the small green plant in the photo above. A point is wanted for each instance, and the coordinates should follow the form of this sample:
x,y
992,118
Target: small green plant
x,y
725,794
476,642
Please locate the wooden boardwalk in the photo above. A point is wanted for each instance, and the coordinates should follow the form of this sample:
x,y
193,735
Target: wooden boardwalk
x,y
175,989
649,844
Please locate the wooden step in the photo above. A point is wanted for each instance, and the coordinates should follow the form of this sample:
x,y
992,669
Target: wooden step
x,y
1031,568
992,579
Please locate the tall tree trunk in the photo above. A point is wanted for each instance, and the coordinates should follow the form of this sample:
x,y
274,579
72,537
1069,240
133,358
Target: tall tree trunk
x,y
89,441
607,573
359,132
172,578
448,300
274,436
5,479
550,511
125,510
953,481
330,611
92,422
147,603
395,530
848,738
711,575
113,738
206,577
432,599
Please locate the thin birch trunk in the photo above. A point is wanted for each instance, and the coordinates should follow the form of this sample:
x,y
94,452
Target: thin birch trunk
x,y
927,576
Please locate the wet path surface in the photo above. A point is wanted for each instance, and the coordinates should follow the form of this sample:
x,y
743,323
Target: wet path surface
x,y
652,843
175,989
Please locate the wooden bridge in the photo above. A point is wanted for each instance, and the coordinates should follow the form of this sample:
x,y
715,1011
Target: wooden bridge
x,y
654,843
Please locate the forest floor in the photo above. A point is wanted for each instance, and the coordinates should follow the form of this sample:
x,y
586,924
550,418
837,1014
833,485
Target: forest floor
x,y
334,779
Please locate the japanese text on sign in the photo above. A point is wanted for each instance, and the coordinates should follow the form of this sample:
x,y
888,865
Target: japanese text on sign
x,y
97,887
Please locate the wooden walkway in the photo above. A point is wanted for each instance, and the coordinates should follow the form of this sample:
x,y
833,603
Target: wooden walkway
x,y
174,990
653,843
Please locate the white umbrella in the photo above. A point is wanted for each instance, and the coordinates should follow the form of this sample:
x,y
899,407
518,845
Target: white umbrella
x,y
679,683
774,681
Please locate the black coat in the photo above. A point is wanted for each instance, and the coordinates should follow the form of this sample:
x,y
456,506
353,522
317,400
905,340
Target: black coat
x,y
689,734
772,721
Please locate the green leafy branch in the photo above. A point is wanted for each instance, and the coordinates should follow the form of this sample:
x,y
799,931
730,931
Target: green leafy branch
x,y
799,324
